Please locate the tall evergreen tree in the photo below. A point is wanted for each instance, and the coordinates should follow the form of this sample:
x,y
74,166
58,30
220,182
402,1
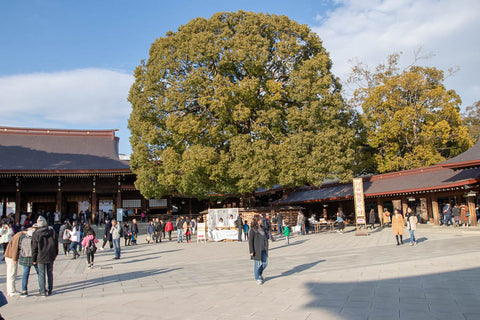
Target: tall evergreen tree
x,y
235,102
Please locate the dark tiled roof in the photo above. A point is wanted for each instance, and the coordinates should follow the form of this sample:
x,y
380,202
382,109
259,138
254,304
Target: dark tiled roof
x,y
47,150
468,159
424,179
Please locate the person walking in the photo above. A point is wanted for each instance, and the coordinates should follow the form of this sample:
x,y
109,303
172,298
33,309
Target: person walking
x,y
286,233
169,229
89,242
44,253
116,232
447,214
340,221
107,236
134,231
300,223
258,247
150,232
64,237
386,217
11,256
397,226
127,235
371,219
75,240
280,223
239,225
187,230
246,230
6,234
464,215
412,222
158,230
179,229
456,215
26,258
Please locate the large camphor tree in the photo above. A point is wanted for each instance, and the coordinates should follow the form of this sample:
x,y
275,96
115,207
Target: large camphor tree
x,y
410,119
236,102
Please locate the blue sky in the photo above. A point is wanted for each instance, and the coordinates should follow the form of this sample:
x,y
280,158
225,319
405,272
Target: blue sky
x,y
69,64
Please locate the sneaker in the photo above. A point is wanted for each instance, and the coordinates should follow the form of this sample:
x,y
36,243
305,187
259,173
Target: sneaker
x,y
259,282
101,248
23,294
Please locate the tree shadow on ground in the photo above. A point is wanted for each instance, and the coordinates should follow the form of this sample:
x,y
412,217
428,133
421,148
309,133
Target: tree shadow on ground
x,y
297,269
289,245
106,280
415,297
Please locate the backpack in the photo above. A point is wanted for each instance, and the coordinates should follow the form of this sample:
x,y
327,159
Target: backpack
x,y
26,247
91,247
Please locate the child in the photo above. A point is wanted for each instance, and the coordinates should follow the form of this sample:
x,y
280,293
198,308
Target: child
x,y
286,233
89,243
246,228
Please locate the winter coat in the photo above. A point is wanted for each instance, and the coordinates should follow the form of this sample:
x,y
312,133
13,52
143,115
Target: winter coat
x,y
6,234
286,231
87,239
412,222
12,250
169,226
150,229
44,246
255,241
397,224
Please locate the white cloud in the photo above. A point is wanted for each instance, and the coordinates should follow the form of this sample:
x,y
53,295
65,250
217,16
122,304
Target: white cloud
x,y
369,30
77,99
85,97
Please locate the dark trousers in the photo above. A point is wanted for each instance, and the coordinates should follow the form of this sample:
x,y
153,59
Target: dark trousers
x,y
105,242
90,257
45,270
66,247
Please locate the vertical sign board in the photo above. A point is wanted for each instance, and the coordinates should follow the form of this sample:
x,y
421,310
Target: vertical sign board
x,y
359,205
201,232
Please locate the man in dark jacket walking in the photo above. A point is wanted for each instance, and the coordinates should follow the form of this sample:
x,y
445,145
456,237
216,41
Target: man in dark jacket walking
x,y
44,252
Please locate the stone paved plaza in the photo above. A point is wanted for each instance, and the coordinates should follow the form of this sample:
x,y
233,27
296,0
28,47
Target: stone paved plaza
x,y
318,276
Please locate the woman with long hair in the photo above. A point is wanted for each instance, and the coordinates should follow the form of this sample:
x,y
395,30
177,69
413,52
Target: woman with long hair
x,y
258,246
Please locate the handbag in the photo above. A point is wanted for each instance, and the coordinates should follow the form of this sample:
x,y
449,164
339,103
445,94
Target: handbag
x,y
3,299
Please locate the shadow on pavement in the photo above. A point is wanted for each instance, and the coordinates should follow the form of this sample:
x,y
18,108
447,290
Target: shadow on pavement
x,y
297,269
105,280
444,295
288,245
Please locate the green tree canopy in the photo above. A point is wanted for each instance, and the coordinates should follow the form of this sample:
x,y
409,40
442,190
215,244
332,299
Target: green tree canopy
x,y
235,102
472,120
410,119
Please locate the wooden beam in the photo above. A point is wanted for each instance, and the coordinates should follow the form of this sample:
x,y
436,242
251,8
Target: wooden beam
x,y
473,212
436,211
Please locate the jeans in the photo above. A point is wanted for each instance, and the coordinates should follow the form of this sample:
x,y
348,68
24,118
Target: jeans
x,y
45,269
412,236
73,247
179,235
301,228
116,247
26,274
279,228
447,219
260,266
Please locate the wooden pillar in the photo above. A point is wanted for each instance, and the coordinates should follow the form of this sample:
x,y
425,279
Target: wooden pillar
x,y
404,206
4,207
380,210
18,204
471,208
430,210
435,210
119,199
190,207
59,202
94,201
144,205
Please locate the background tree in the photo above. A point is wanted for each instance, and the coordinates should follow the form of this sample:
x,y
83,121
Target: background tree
x,y
410,119
471,119
235,102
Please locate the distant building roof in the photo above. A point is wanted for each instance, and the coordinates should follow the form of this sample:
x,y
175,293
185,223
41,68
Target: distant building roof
x,y
403,182
468,159
53,150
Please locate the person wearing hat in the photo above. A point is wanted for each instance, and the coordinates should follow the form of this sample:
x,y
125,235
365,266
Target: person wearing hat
x,y
44,252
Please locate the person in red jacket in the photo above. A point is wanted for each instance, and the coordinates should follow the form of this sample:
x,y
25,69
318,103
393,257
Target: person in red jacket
x,y
169,229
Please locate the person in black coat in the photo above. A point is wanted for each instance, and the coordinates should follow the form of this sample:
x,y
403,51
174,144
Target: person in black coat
x,y
258,246
44,253
239,225
107,236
